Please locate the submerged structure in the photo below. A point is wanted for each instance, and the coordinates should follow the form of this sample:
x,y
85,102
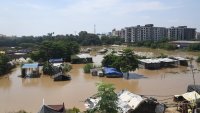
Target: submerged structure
x,y
30,70
53,109
81,59
158,63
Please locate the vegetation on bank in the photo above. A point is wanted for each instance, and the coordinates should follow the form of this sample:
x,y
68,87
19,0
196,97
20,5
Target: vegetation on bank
x,y
198,59
5,66
55,49
194,47
161,44
83,38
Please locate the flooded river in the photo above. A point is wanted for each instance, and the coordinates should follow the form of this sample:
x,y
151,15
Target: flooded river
x,y
18,93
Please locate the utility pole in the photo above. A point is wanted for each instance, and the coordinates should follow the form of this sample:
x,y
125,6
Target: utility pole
x,y
94,29
191,66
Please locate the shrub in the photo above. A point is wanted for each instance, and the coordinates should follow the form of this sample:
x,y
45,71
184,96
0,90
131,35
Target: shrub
x,y
87,68
198,59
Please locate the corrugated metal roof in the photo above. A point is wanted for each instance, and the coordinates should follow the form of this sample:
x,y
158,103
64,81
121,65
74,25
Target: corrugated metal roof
x,y
33,65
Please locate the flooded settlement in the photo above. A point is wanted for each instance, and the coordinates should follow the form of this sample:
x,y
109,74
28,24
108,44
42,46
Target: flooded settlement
x,y
31,93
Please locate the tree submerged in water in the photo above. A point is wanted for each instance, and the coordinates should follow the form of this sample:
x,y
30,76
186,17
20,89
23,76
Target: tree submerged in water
x,y
108,101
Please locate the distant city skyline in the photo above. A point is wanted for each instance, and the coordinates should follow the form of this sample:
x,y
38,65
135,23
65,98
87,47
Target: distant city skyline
x,y
39,17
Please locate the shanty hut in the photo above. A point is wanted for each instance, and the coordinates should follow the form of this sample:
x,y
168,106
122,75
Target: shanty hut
x,y
30,70
149,63
157,63
53,109
81,59
181,61
56,62
131,103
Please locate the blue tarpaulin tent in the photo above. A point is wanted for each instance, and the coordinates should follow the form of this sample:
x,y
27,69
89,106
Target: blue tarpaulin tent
x,y
33,65
56,60
112,72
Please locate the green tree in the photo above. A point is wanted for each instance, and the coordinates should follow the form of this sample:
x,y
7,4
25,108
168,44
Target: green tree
x,y
47,68
4,67
128,61
111,60
108,101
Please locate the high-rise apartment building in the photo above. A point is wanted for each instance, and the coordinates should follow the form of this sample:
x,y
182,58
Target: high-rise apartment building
x,y
151,33
181,33
143,33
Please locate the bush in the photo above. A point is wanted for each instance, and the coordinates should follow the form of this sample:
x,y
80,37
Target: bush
x,y
87,68
73,110
198,59
47,68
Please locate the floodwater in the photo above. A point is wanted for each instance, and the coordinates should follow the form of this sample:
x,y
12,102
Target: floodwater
x,y
28,94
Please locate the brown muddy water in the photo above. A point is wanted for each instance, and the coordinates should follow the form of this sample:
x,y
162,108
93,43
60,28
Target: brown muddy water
x,y
18,93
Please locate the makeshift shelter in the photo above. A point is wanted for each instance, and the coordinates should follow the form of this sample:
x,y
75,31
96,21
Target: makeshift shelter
x,y
81,59
131,103
30,70
53,109
157,63
112,72
56,62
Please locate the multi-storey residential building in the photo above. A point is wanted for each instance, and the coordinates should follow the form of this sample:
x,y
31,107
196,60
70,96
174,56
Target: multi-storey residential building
x,y
181,33
144,33
198,35
149,32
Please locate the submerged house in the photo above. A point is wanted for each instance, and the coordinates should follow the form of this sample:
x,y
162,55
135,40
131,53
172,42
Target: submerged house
x,y
181,61
157,63
112,72
53,109
81,59
30,70
131,103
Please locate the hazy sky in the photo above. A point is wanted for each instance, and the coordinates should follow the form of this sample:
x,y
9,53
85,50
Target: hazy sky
x,y
39,17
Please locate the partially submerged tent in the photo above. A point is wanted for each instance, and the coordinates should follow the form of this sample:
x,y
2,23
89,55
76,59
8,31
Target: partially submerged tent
x,y
189,96
52,109
112,72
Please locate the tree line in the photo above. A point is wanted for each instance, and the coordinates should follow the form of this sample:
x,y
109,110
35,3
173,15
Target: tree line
x,y
83,38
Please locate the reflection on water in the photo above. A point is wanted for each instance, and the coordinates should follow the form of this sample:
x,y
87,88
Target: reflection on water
x,y
18,93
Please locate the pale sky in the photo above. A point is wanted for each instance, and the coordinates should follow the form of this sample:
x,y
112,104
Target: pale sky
x,y
39,17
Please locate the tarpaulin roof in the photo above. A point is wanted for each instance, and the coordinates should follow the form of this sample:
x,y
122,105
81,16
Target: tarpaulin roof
x,y
111,71
33,65
56,60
